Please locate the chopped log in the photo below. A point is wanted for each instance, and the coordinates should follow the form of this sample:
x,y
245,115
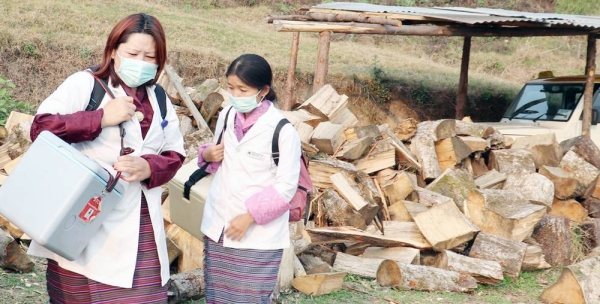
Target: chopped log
x,y
371,131
543,147
473,129
508,253
406,128
414,208
314,264
319,284
511,161
534,258
404,155
189,285
12,256
565,187
356,249
584,147
455,184
186,98
173,250
438,129
321,170
286,270
364,267
535,187
491,179
328,137
430,198
553,233
11,165
478,164
416,277
354,149
345,118
358,193
298,268
451,152
398,212
594,189
371,192
591,204
16,118
445,227
503,213
578,168
397,185
399,234
424,147
304,131
211,106
9,227
404,255
340,212
475,144
570,209
578,283
201,92
381,156
3,133
484,271
325,103
298,116
192,249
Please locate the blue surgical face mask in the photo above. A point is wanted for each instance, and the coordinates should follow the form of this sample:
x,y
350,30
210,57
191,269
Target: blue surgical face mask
x,y
135,72
244,104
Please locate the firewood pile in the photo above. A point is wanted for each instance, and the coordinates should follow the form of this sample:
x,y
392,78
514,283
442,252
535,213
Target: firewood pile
x,y
440,205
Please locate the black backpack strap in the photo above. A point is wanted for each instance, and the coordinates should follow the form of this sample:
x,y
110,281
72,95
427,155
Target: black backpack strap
x,y
97,92
275,142
161,98
201,173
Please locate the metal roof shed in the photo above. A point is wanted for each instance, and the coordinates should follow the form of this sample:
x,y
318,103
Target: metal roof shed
x,y
361,18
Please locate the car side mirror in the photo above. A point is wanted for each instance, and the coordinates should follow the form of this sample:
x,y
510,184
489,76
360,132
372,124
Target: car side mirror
x,y
594,117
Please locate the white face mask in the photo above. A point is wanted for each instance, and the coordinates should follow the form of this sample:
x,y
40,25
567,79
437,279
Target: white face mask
x,y
244,104
135,72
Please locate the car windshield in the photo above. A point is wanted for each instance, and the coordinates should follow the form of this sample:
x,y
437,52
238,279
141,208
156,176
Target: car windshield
x,y
545,102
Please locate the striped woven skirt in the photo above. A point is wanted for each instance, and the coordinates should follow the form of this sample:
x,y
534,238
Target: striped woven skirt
x,y
65,286
239,275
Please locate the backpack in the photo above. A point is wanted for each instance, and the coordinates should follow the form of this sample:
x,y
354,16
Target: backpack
x,y
99,90
302,196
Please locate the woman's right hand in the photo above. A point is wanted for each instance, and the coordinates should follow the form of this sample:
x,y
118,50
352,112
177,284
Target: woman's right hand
x,y
213,153
117,111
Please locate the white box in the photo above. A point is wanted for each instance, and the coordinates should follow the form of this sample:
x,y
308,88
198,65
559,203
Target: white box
x,y
187,214
48,196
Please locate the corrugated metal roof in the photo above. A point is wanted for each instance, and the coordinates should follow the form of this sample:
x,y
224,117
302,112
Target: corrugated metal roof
x,y
473,15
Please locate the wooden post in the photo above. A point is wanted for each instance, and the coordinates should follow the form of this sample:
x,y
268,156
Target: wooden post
x,y
186,98
590,71
291,76
461,101
322,61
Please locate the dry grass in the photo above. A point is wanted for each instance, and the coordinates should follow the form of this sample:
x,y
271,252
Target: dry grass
x,y
44,41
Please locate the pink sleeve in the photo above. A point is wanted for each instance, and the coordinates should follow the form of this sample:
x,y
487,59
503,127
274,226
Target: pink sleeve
x,y
267,205
213,166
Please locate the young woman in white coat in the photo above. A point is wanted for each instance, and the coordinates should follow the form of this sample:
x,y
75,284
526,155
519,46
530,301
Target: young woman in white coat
x,y
126,261
246,213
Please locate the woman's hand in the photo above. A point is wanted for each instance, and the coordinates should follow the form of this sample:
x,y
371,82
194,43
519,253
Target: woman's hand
x,y
213,153
117,111
137,168
238,226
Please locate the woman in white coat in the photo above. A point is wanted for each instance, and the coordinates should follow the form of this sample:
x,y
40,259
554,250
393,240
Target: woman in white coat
x,y
126,261
246,213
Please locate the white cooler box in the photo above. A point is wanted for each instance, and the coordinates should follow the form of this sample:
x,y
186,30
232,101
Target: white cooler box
x,y
49,195
187,214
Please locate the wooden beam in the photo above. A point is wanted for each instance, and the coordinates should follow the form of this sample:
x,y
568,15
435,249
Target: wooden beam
x,y
291,76
322,60
461,101
186,99
590,71
422,30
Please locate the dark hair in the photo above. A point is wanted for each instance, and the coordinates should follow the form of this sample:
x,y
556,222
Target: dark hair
x,y
133,24
254,71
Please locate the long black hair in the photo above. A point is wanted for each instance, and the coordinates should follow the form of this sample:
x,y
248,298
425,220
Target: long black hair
x,y
254,71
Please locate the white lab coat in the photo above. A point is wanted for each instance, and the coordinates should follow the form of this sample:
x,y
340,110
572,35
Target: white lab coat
x,y
247,169
111,254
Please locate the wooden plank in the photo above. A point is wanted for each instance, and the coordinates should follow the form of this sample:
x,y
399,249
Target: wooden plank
x,y
406,236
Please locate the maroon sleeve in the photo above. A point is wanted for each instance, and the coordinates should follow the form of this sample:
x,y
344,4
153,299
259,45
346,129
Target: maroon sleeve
x,y
72,128
163,167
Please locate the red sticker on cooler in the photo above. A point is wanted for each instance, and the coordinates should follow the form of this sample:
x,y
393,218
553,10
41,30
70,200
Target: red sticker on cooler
x,y
91,209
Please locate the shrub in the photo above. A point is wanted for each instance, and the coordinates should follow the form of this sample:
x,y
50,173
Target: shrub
x,y
8,104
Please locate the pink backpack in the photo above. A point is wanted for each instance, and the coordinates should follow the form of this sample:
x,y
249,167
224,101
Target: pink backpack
x,y
302,196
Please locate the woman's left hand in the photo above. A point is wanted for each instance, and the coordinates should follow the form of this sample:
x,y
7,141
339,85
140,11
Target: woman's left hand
x,y
238,226
137,168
